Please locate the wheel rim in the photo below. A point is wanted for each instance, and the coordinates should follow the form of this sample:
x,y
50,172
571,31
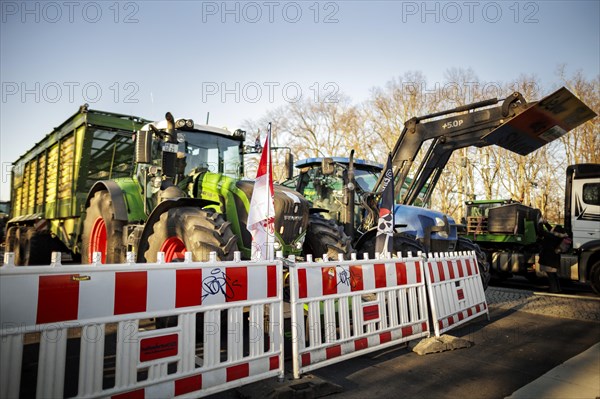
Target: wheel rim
x,y
98,239
174,249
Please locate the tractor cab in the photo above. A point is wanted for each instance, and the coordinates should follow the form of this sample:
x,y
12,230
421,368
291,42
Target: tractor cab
x,y
321,181
171,154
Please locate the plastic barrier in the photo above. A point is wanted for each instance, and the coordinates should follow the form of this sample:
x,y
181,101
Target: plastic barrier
x,y
139,330
455,289
344,309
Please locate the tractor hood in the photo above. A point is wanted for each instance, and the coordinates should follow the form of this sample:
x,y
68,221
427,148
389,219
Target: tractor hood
x,y
417,220
291,213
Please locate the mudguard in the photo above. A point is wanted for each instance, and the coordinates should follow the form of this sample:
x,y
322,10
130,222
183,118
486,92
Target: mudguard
x,y
116,195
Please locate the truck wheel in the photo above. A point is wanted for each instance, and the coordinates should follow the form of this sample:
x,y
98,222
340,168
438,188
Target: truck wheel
x,y
595,277
101,232
199,231
325,237
464,244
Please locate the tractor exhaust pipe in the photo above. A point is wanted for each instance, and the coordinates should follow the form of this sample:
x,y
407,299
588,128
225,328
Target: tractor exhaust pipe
x,y
169,159
171,128
349,189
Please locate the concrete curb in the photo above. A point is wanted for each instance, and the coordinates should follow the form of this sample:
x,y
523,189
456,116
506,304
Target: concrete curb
x,y
577,378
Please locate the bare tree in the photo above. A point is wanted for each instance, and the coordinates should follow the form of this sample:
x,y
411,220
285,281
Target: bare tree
x,y
372,128
316,129
583,144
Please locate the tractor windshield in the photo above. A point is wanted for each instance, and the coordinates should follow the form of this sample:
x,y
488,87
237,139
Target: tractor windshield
x,y
211,152
326,191
366,179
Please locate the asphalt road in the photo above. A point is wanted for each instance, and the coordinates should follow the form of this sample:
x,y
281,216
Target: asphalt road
x,y
528,335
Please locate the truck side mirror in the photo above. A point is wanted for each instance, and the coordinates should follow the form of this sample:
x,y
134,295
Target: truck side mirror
x,y
327,166
289,165
143,147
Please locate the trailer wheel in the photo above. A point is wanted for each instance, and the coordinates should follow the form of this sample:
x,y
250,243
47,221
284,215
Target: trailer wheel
x,y
325,237
36,247
464,244
199,231
595,277
13,238
102,232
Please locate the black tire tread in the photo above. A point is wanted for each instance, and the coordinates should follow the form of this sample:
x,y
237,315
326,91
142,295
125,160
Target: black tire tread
x,y
595,277
202,230
101,205
465,244
324,236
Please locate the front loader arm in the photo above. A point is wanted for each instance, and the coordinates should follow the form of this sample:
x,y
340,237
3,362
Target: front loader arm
x,y
515,125
446,135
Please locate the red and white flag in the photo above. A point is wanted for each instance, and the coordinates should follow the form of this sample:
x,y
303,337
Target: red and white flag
x,y
261,217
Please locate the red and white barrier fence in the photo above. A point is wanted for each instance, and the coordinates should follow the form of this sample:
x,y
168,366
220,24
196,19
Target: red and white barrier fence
x,y
455,289
192,329
342,309
140,330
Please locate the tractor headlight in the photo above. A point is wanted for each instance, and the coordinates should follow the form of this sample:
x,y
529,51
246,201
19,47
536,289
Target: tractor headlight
x,y
180,123
441,222
189,123
299,245
277,245
180,137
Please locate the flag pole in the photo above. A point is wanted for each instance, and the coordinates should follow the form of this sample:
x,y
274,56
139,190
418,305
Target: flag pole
x,y
270,241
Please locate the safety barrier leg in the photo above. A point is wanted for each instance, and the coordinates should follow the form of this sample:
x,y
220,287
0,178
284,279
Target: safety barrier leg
x,y
51,367
127,353
11,357
91,361
188,344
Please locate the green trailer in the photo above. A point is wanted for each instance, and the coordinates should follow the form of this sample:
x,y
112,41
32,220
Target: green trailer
x,y
51,181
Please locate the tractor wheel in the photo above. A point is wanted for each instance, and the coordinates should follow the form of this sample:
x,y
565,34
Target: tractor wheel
x,y
464,244
325,237
199,231
101,232
403,243
595,277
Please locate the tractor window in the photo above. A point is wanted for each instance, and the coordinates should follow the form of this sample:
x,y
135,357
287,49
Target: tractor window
x,y
591,193
365,179
211,152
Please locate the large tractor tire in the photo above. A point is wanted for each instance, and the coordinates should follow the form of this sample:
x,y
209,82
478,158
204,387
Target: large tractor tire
x,y
403,244
464,244
101,232
325,237
199,231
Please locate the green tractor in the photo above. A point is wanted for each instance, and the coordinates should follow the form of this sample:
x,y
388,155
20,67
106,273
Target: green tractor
x,y
187,194
508,232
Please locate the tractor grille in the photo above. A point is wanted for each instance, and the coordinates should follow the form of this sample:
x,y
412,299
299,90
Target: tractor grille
x,y
442,245
291,212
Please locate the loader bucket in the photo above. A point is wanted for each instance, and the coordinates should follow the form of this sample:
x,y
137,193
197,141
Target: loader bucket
x,y
545,121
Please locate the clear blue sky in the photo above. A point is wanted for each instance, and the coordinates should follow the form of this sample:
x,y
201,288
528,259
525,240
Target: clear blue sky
x,y
146,58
